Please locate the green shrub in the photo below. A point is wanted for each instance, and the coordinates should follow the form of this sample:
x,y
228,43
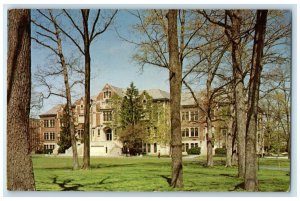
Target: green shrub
x,y
48,151
220,151
194,151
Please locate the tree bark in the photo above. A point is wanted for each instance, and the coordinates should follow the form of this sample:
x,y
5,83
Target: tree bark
x,y
234,35
175,98
251,183
229,137
234,157
87,64
19,165
209,138
68,94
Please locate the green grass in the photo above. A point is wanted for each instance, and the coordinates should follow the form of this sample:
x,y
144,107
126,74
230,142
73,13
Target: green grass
x,y
149,174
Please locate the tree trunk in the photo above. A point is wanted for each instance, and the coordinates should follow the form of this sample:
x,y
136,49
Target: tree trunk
x,y
229,138
209,138
19,165
175,98
87,64
234,37
68,94
251,183
234,157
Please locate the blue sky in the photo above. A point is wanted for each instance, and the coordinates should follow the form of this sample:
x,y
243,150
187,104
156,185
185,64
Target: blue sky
x,y
111,62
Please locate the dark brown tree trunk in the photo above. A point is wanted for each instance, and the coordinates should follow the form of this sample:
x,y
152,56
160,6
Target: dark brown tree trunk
x,y
251,183
87,64
19,165
234,35
68,94
209,138
175,93
229,137
234,157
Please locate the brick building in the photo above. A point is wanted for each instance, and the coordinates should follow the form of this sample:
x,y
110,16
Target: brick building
x,y
35,136
103,132
51,127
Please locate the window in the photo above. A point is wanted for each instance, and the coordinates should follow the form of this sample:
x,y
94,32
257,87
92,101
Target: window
x,y
49,136
107,94
46,123
52,136
46,136
196,145
108,134
98,132
185,116
107,116
192,132
149,148
196,132
144,148
182,147
52,123
192,145
185,132
49,146
194,115
80,133
186,146
155,148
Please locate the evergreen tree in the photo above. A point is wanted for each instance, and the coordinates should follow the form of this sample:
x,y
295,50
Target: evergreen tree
x,y
65,134
132,107
131,115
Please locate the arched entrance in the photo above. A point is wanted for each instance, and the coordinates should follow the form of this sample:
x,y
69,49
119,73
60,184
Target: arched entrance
x,y
108,133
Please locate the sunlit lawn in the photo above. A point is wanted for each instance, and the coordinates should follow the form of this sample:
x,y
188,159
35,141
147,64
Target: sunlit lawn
x,y
150,174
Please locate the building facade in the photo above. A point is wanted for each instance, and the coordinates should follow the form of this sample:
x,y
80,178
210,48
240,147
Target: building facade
x,y
104,129
51,127
35,136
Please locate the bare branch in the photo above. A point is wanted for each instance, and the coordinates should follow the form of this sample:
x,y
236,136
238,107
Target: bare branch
x,y
93,36
45,45
73,22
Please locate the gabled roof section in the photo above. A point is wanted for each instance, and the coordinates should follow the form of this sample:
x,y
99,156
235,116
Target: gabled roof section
x,y
120,91
158,94
52,111
187,98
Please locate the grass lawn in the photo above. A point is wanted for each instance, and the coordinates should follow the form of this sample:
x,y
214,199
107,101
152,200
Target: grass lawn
x,y
151,174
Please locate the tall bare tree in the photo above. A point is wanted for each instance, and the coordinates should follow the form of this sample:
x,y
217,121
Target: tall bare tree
x,y
19,165
88,34
251,183
53,42
175,73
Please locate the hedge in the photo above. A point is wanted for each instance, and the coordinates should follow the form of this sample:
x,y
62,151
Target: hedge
x,y
194,151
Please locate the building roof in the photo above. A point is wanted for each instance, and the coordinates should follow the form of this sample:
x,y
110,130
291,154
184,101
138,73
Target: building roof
x,y
187,98
120,91
52,111
158,94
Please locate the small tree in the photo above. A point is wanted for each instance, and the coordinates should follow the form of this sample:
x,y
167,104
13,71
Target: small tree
x,y
131,115
65,134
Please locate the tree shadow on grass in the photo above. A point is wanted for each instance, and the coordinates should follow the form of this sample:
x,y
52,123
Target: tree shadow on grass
x,y
240,186
66,186
168,179
63,185
113,165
